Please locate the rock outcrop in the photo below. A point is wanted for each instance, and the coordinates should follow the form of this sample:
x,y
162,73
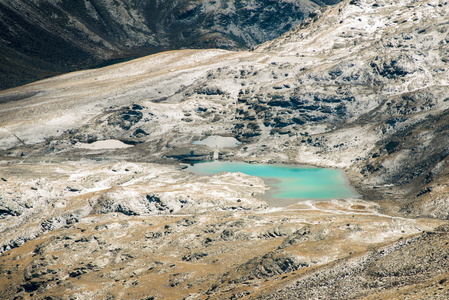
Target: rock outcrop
x,y
360,86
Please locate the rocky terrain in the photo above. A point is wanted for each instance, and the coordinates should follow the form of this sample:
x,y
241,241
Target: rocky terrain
x,y
361,86
39,38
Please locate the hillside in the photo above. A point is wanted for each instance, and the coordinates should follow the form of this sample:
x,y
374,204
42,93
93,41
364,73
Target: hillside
x,y
39,39
361,86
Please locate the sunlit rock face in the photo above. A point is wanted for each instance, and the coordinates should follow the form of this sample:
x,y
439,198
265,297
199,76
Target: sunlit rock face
x,y
44,38
361,86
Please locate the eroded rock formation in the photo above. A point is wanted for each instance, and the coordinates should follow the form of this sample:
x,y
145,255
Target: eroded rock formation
x,y
361,86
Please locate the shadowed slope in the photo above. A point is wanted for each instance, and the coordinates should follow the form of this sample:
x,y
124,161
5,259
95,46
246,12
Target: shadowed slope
x,y
43,38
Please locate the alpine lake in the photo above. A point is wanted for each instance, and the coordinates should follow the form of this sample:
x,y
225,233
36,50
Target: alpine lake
x,y
288,184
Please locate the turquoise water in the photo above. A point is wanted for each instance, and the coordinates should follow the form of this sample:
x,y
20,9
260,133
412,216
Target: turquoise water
x,y
289,184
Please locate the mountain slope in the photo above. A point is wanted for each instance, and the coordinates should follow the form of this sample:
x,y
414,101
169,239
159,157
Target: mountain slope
x,y
364,91
43,38
362,86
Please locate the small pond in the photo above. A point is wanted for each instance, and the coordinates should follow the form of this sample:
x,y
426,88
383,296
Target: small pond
x,y
216,141
106,144
289,184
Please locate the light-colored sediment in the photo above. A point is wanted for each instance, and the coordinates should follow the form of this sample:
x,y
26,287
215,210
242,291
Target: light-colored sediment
x,y
362,86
